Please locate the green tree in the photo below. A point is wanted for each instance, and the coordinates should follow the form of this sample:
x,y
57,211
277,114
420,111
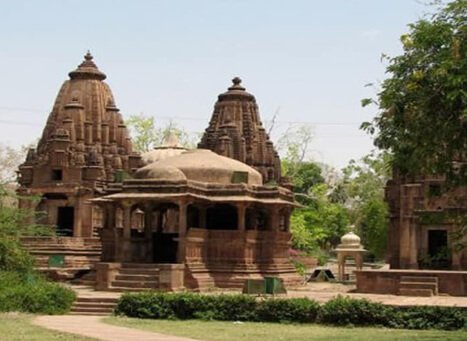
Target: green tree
x,y
363,184
422,116
146,135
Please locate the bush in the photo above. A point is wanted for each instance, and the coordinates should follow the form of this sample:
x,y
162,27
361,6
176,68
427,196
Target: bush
x,y
361,312
427,317
301,310
31,293
358,312
338,311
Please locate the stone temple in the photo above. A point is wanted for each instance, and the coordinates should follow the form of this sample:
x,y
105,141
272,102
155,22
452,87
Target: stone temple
x,y
168,219
426,245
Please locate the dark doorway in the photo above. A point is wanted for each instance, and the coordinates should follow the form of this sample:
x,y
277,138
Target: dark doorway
x,y
65,221
222,217
438,248
165,247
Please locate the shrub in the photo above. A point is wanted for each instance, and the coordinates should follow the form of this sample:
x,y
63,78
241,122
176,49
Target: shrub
x,y
187,305
350,311
301,310
33,294
428,317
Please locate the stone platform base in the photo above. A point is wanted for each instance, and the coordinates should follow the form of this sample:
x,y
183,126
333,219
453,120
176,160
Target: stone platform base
x,y
389,281
63,258
205,276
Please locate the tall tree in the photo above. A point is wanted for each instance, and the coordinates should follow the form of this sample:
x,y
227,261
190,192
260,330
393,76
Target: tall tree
x,y
422,116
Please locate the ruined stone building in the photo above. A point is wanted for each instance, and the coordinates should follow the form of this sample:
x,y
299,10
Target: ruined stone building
x,y
172,218
424,230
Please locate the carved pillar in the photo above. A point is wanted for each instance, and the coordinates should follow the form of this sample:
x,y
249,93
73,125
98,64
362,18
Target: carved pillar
x,y
241,209
182,226
148,218
125,251
274,220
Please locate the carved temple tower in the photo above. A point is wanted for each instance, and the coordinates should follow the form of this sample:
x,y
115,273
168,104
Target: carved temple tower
x,y
84,146
236,131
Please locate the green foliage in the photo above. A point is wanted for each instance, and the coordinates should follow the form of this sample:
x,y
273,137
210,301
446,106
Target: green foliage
x,y
363,185
12,227
321,223
361,312
223,307
358,312
33,294
146,136
338,311
422,117
427,317
293,310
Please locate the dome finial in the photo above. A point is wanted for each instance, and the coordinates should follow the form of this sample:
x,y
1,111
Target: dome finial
x,y
88,56
236,84
236,80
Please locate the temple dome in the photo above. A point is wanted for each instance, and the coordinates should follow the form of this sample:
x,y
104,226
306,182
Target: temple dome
x,y
169,148
160,172
204,166
350,241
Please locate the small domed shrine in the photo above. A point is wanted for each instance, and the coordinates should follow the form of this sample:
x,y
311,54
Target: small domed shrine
x,y
349,247
236,131
84,146
208,221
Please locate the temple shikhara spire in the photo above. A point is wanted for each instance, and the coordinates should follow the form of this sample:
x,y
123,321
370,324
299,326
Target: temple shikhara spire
x,y
236,131
84,145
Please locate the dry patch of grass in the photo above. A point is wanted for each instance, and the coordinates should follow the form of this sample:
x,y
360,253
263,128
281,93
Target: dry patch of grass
x,y
18,327
252,331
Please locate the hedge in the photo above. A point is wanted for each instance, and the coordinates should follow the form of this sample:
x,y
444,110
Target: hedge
x,y
32,293
338,311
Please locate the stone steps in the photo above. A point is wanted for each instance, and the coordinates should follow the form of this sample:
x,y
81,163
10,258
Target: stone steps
x,y
93,306
424,286
136,277
135,284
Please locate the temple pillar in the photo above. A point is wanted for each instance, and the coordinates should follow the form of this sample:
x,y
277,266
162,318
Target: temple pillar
x,y
274,219
148,219
241,210
125,254
182,227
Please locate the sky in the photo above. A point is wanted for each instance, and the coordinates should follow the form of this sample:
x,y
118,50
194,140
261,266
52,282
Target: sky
x,y
307,62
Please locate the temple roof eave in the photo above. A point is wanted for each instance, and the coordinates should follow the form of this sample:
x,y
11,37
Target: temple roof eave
x,y
170,196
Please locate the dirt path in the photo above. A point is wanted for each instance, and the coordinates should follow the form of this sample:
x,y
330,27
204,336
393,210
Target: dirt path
x,y
92,326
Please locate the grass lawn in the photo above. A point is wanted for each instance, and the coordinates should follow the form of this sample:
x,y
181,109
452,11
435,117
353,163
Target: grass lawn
x,y
230,331
18,327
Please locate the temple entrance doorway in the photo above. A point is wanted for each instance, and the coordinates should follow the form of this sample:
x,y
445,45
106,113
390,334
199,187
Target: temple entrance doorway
x,y
165,233
165,248
438,248
65,221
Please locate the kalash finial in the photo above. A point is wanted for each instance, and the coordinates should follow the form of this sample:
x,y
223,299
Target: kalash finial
x,y
88,56
237,80
236,84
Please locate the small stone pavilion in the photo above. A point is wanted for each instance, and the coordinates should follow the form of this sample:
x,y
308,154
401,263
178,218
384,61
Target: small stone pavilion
x,y
198,219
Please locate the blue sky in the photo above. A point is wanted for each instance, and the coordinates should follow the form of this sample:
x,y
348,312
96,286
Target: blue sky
x,y
307,61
